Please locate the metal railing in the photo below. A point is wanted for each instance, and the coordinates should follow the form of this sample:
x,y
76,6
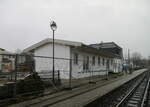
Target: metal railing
x,y
68,73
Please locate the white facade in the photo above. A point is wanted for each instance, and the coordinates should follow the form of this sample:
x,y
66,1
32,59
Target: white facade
x,y
78,70
45,64
117,65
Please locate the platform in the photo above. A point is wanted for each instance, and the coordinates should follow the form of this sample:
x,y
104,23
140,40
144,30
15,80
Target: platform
x,y
80,96
81,100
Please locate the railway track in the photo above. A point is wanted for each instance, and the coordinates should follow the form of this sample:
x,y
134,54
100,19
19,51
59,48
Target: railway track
x,y
137,96
147,97
135,93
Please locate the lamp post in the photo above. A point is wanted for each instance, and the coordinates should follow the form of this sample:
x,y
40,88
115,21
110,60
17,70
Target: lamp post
x,y
53,27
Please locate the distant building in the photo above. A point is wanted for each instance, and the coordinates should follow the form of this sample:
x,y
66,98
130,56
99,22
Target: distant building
x,y
85,59
6,60
25,62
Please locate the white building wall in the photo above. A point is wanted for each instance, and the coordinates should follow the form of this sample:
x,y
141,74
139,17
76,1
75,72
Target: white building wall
x,y
117,65
77,69
45,64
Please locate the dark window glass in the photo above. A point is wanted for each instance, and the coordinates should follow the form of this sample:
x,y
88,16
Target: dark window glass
x,y
99,61
111,62
93,60
75,58
103,61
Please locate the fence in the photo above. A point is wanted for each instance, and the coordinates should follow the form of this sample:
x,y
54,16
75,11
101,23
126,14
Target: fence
x,y
72,72
18,76
63,73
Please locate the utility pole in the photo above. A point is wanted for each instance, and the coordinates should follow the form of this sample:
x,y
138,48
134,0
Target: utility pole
x,y
129,62
129,56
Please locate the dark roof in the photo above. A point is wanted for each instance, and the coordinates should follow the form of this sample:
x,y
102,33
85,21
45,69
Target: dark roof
x,y
106,45
101,52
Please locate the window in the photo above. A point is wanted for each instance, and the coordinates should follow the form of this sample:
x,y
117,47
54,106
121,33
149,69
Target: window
x,y
103,61
86,63
99,61
108,62
93,60
111,62
75,58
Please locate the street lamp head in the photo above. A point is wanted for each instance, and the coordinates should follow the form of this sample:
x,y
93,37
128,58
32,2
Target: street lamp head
x,y
53,25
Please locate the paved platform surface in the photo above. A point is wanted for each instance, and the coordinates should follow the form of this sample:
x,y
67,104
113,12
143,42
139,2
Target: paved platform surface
x,y
80,96
75,83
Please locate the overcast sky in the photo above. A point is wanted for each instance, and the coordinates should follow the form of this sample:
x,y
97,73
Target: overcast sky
x,y
126,22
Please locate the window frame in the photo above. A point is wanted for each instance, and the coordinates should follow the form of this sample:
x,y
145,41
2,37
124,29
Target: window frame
x,y
99,60
93,60
103,61
76,58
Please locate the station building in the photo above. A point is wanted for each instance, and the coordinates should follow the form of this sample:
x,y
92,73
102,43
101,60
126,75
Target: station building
x,y
76,57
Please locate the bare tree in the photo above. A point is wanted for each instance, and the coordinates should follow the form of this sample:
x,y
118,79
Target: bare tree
x,y
144,62
136,59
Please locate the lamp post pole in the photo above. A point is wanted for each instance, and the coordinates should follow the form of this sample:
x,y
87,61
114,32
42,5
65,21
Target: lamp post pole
x,y
53,58
53,27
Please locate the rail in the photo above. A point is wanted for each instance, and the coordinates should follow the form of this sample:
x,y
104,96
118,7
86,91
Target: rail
x,y
140,97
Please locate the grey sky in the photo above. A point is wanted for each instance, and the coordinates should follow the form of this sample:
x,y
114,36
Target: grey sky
x,y
126,22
